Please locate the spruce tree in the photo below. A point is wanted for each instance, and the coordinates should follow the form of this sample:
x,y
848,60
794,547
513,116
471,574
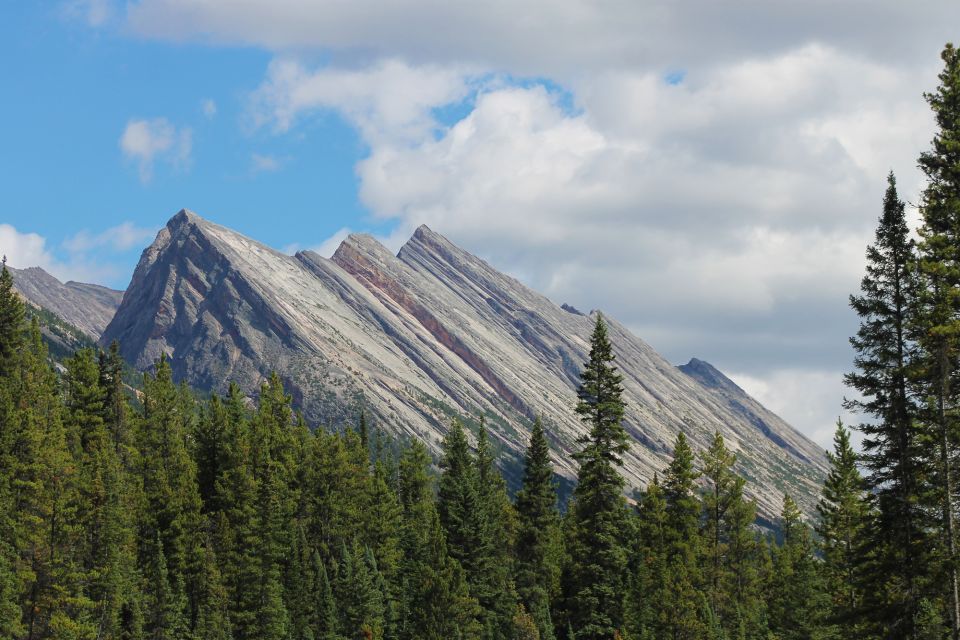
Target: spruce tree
x,y
11,321
537,531
494,588
844,516
682,574
599,510
646,616
892,455
797,601
436,602
939,318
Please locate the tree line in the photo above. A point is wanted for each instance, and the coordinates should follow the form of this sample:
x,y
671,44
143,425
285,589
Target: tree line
x,y
160,515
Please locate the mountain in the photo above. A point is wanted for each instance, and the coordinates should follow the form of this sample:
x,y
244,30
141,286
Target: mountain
x,y
89,307
420,337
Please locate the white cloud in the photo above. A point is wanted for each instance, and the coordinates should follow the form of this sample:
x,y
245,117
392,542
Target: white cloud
x,y
209,108
556,39
123,237
389,98
24,249
811,400
329,246
95,13
145,141
724,216
260,163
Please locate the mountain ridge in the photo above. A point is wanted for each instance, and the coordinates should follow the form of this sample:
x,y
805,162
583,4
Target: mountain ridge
x,y
422,336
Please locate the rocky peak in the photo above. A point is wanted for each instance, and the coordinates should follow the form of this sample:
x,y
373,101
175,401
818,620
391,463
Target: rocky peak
x,y
709,376
424,336
89,307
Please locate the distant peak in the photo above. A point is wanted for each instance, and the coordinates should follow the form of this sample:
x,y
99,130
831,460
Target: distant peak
x,y
184,216
708,375
361,245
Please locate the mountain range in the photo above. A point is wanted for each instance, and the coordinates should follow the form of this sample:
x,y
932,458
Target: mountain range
x,y
415,339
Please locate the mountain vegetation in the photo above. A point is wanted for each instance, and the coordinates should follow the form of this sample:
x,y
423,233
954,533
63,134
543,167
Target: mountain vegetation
x,y
164,515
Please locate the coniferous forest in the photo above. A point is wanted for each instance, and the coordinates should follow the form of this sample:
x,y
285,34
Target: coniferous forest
x,y
153,513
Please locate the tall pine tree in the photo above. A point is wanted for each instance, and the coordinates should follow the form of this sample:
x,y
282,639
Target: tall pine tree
x,y
939,318
598,568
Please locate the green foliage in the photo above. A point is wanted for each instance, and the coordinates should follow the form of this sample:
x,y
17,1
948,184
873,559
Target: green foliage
x,y
598,555
537,534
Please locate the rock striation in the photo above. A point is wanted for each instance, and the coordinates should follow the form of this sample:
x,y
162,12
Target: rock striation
x,y
422,336
89,307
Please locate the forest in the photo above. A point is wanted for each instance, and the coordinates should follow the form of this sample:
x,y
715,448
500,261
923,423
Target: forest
x,y
155,513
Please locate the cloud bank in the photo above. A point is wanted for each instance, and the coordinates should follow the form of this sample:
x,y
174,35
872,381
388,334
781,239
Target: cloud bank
x,y
709,173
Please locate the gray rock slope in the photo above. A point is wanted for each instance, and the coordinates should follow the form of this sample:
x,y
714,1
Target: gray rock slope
x,y
89,307
422,336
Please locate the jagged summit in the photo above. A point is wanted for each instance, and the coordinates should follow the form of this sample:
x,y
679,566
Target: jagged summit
x,y
420,337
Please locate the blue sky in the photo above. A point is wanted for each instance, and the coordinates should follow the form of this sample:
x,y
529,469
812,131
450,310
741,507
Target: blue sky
x,y
707,173
72,90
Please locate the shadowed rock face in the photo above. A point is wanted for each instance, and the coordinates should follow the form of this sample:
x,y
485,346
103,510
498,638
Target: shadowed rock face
x,y
421,336
89,307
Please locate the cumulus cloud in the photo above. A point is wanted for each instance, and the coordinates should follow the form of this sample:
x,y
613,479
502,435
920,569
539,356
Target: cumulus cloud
x,y
146,141
24,250
123,237
713,188
260,163
388,99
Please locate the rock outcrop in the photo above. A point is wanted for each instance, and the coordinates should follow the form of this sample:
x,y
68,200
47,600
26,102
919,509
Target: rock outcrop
x,y
420,337
89,307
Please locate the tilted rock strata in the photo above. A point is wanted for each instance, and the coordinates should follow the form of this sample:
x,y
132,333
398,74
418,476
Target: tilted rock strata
x,y
419,337
89,307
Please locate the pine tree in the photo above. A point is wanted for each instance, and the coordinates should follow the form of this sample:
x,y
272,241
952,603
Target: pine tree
x,y
717,468
939,316
171,496
538,528
797,600
683,552
11,321
599,509
106,554
844,516
892,453
324,606
213,615
646,616
436,601
494,588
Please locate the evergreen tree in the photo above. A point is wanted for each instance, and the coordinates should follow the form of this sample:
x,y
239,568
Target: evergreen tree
x,y
797,600
682,575
646,616
213,615
892,453
494,588
844,515
599,509
939,318
537,532
436,601
11,321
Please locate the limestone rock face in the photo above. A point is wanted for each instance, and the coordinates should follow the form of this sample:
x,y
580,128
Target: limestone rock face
x,y
89,307
422,336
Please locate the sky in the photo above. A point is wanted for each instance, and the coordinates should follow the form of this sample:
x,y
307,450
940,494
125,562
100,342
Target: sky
x,y
707,173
